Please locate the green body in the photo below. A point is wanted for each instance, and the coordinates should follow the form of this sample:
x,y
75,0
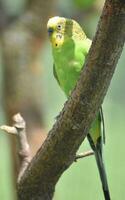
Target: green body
x,y
68,62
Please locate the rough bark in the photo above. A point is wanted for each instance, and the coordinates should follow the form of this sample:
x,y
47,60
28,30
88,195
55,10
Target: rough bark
x,y
72,125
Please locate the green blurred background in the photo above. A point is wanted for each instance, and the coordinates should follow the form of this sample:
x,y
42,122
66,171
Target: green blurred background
x,y
74,184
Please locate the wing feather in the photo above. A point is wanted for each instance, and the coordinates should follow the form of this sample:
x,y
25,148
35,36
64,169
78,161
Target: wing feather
x,y
55,74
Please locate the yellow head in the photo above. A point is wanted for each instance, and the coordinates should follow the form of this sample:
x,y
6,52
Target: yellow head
x,y
55,28
60,29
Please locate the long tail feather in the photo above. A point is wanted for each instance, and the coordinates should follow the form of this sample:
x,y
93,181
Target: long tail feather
x,y
101,167
102,172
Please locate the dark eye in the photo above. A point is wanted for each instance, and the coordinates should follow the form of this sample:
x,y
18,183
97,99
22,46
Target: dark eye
x,y
59,27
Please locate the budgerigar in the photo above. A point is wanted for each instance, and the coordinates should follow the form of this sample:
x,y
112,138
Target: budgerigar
x,y
69,48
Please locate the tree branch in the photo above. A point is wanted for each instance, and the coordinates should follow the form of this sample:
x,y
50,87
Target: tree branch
x,y
83,155
19,129
59,150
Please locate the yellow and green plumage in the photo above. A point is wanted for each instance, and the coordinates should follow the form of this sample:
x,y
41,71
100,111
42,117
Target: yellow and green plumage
x,y
70,47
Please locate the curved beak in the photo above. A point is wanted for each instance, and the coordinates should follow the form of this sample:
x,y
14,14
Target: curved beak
x,y
50,30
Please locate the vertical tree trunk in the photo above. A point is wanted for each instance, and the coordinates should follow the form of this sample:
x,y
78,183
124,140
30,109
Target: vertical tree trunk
x,y
22,42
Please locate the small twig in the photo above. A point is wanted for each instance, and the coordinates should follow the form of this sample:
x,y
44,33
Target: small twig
x,y
85,154
19,129
9,129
